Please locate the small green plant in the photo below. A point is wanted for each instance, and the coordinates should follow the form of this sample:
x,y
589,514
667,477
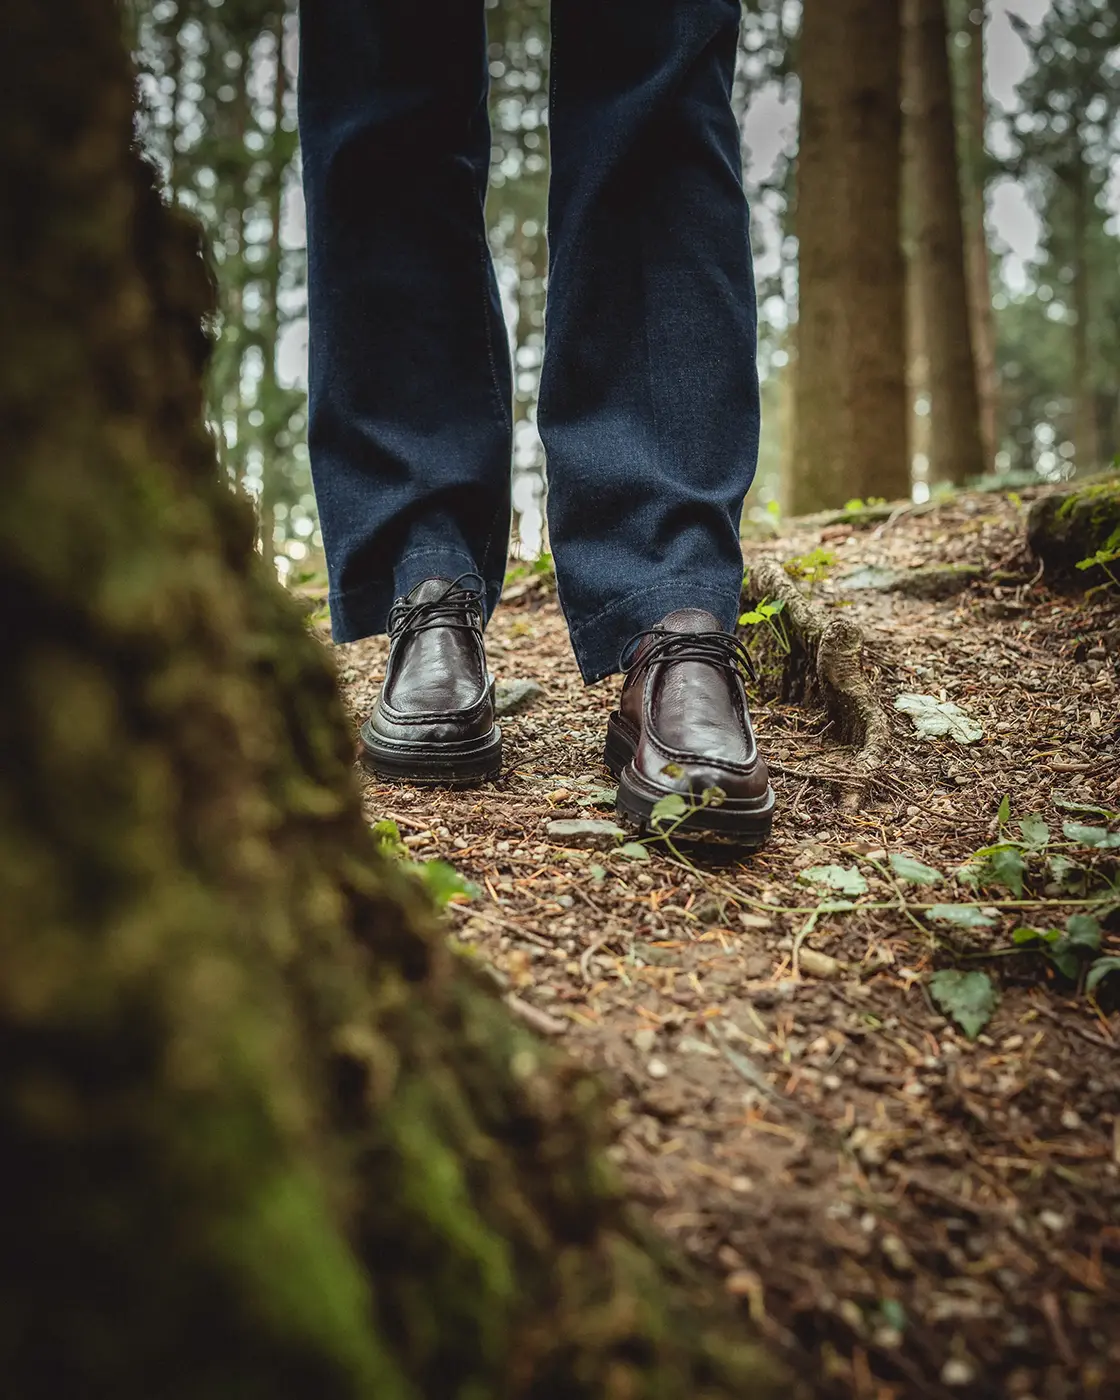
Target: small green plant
x,y
669,814
1109,553
1066,948
856,506
812,566
442,881
542,567
769,615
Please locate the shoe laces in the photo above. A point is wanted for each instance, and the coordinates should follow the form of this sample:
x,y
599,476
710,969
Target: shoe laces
x,y
459,605
722,649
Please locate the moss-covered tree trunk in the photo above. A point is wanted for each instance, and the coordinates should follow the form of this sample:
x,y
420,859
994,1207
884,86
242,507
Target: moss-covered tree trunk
x,y
262,1135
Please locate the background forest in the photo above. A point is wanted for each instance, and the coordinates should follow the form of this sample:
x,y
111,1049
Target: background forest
x,y
961,249
622,1120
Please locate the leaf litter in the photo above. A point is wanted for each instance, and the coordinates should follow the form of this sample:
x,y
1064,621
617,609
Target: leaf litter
x,y
907,1141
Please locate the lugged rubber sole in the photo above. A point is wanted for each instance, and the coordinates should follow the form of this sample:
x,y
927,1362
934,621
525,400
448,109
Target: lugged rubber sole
x,y
745,821
462,763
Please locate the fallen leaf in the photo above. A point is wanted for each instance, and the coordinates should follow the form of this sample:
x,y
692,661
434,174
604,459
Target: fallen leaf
x,y
965,997
846,879
938,719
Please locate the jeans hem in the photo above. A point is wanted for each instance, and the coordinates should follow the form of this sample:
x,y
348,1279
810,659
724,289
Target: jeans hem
x,y
364,611
598,641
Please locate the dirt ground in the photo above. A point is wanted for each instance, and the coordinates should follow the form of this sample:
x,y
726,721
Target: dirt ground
x,y
906,1212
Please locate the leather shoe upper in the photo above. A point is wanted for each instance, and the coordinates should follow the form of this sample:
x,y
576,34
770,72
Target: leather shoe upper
x,y
436,687
685,701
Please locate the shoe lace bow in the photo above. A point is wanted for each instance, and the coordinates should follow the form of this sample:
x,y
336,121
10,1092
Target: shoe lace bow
x,y
722,649
459,605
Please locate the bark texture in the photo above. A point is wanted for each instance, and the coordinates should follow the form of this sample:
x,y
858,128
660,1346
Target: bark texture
x,y
977,255
851,409
263,1134
1086,439
956,448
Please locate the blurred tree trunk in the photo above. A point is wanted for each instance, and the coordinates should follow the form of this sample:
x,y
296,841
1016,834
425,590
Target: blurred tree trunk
x,y
270,316
851,410
978,257
917,357
1086,444
956,449
263,1133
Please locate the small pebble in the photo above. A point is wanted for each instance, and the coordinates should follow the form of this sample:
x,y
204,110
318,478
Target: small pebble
x,y
658,1069
958,1371
645,1039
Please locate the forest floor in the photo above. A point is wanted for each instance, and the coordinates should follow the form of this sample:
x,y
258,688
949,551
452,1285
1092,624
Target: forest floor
x,y
905,1211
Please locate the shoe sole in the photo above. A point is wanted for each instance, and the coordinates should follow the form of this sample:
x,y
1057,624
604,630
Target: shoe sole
x,y
745,821
459,763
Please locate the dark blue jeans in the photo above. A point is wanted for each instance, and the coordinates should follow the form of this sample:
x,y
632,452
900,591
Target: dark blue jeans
x,y
649,395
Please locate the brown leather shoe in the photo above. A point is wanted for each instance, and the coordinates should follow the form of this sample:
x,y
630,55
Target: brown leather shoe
x,y
683,728
434,718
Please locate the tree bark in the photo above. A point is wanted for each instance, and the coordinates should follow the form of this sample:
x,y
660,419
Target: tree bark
x,y
851,411
956,449
977,253
263,1133
917,356
1086,446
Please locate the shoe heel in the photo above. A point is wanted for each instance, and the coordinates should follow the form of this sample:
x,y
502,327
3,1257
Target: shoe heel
x,y
618,749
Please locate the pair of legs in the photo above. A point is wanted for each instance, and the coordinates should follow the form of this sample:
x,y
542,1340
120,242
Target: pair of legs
x,y
649,395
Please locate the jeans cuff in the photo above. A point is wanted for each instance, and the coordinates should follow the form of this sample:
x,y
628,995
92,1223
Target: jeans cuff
x,y
364,612
599,640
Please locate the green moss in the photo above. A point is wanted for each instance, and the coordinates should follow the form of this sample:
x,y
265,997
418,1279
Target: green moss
x,y
262,1135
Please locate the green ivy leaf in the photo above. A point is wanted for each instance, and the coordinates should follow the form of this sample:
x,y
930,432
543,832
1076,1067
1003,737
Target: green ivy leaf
x,y
1026,935
1065,960
963,915
907,868
668,808
1008,868
633,850
1083,931
387,837
1099,971
846,879
442,881
965,997
1034,832
1065,873
1095,836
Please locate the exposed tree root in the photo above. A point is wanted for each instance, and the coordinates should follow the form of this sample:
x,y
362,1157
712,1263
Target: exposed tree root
x,y
825,663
